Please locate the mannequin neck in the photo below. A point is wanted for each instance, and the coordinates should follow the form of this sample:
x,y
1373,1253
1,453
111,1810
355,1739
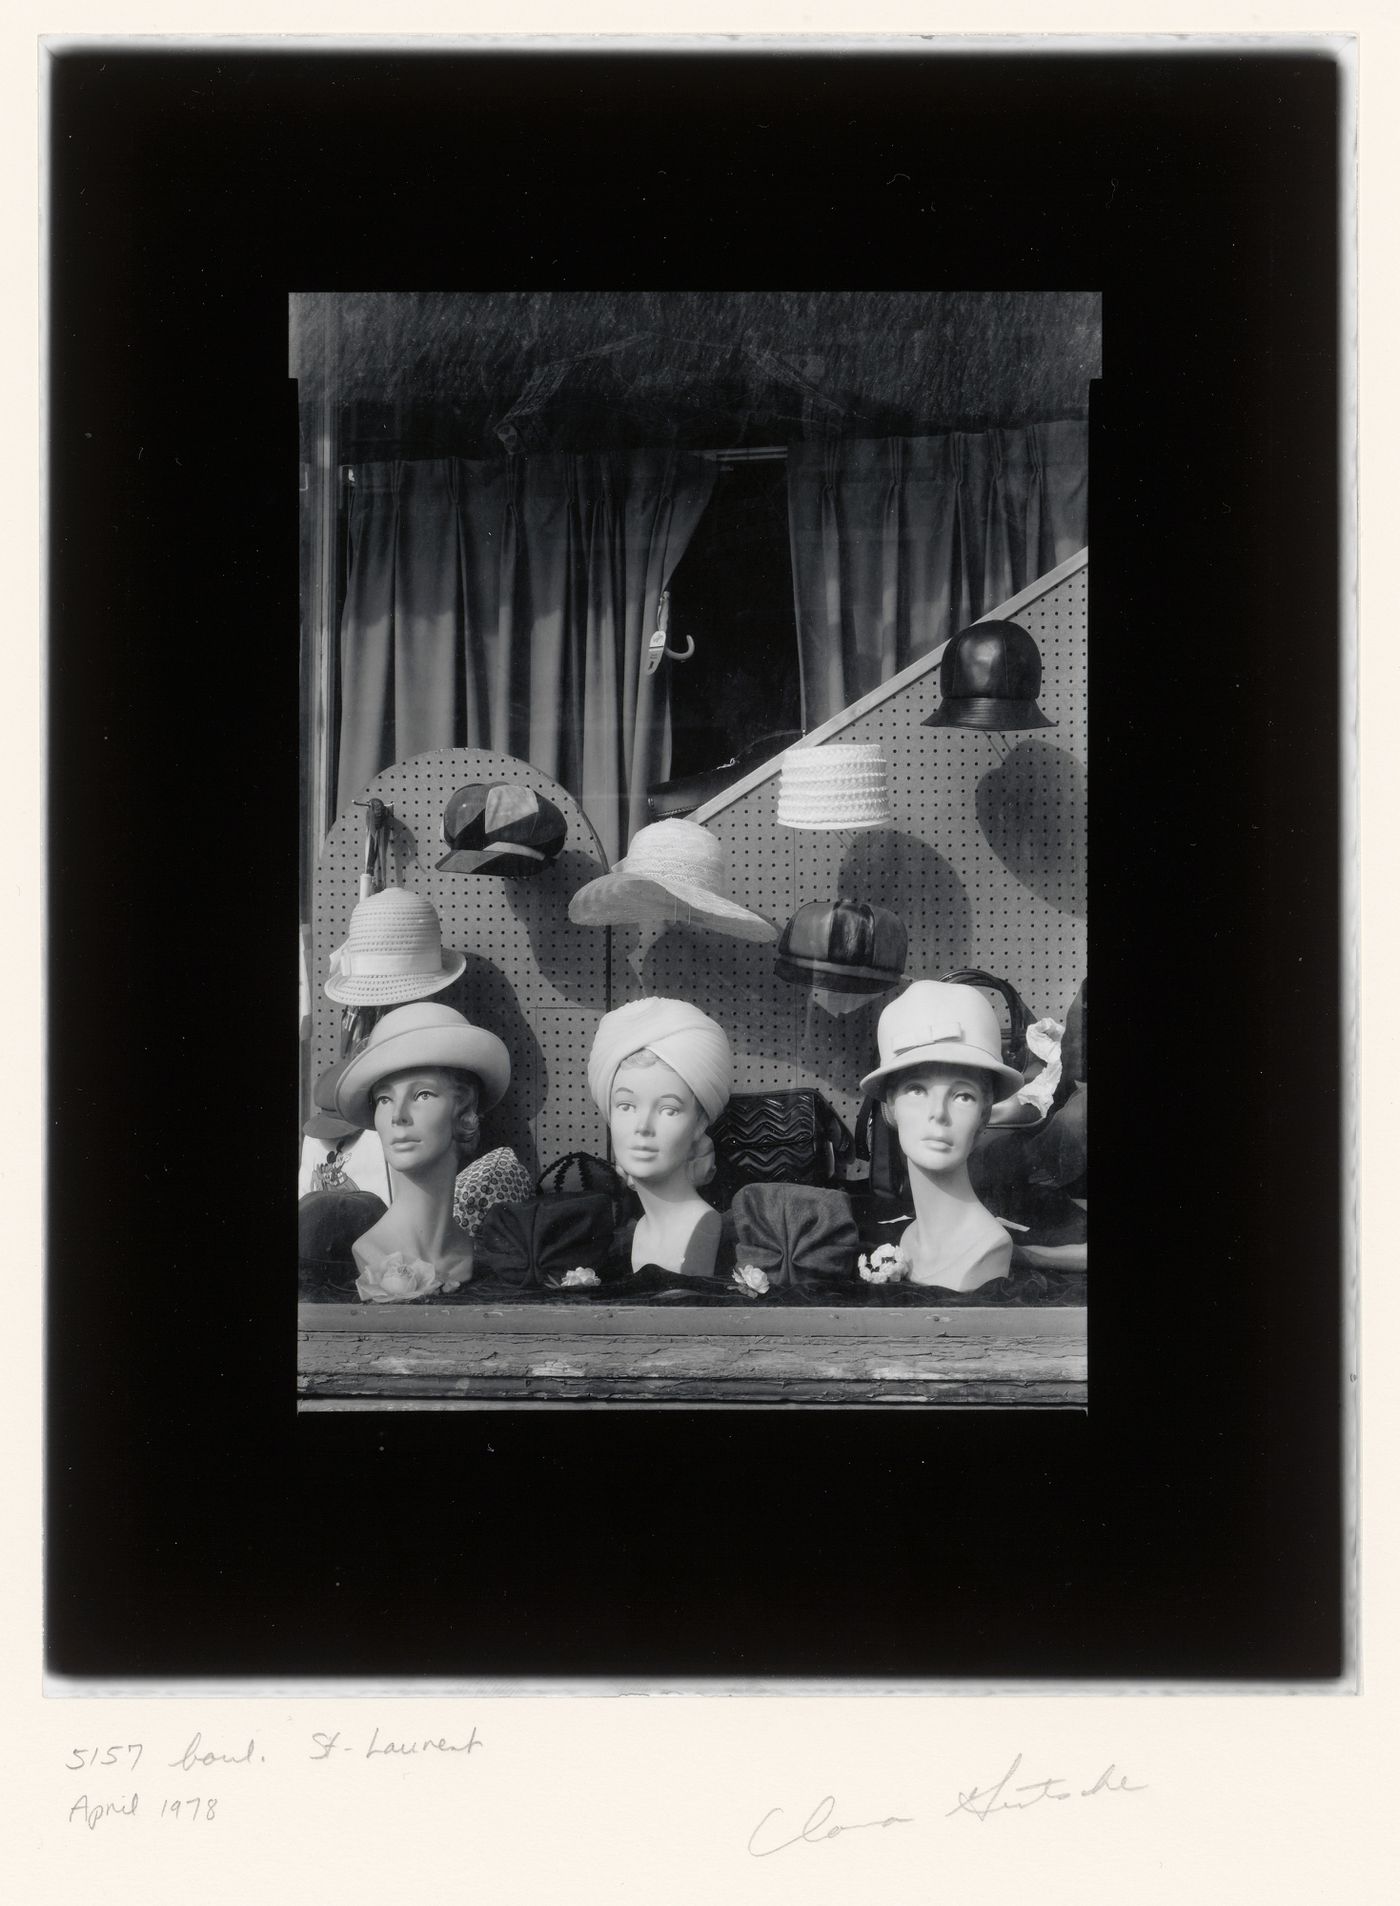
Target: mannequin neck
x,y
673,1212
421,1213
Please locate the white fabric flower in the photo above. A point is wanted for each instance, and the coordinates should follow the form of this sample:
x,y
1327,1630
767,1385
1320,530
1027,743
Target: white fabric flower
x,y
885,1265
752,1281
579,1279
398,1280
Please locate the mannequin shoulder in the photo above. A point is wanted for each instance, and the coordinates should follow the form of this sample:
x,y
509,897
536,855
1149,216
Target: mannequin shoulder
x,y
369,1251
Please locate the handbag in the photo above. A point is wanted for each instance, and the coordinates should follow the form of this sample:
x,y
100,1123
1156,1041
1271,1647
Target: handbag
x,y
784,1137
579,1172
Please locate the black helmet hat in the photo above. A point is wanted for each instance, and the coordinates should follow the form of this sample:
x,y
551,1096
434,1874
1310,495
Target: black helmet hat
x,y
989,679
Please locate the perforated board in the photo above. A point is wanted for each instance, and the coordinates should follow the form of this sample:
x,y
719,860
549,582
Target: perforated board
x,y
532,977
985,863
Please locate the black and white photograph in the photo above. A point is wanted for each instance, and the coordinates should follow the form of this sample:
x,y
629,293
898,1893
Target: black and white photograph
x,y
694,763
683,597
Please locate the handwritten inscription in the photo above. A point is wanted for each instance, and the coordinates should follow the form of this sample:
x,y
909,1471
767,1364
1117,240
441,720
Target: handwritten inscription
x,y
91,1813
1008,1795
197,1755
324,1745
816,1829
92,1808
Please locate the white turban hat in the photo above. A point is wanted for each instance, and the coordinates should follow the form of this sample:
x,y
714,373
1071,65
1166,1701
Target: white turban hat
x,y
680,1035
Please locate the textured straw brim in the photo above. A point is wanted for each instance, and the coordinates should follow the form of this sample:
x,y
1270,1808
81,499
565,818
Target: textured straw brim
x,y
949,1052
394,989
465,1048
988,714
467,860
633,900
837,825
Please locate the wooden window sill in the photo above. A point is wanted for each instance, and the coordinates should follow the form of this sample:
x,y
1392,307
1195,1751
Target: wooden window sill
x,y
366,1356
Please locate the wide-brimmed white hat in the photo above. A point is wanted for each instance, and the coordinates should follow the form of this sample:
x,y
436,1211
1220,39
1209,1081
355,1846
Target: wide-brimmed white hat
x,y
426,1034
952,1025
392,953
672,872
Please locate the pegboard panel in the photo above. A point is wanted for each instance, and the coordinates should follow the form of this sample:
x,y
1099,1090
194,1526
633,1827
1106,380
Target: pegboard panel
x,y
985,862
532,977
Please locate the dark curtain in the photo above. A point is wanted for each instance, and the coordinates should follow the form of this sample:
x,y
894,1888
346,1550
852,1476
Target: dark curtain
x,y
899,542
508,605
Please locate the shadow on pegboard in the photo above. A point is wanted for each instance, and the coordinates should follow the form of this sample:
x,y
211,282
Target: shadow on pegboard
x,y
729,978
486,997
891,868
540,902
1032,809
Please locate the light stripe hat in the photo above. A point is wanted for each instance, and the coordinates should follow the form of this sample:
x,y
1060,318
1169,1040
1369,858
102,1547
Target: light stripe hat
x,y
392,953
834,785
954,1025
425,1034
673,872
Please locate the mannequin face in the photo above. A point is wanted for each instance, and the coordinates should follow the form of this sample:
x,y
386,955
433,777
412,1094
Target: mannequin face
x,y
413,1114
654,1118
937,1111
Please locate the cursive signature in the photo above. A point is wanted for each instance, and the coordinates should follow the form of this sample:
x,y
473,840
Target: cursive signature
x,y
983,1801
816,1831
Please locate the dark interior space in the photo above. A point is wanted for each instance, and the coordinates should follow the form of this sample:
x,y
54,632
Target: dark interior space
x,y
731,595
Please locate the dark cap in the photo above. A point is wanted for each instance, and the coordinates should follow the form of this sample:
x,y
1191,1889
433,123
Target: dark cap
x,y
845,946
503,829
989,678
326,1123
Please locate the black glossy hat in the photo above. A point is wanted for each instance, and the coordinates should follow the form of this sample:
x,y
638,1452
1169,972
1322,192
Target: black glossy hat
x,y
989,679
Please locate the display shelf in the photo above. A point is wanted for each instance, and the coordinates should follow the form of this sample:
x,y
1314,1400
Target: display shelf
x,y
996,1358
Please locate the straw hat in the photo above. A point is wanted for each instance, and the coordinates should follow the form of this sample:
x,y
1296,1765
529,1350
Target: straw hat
x,y
673,871
426,1034
834,785
393,952
935,1021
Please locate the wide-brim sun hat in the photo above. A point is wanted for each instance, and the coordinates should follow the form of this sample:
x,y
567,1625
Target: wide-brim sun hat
x,y
425,1034
935,1022
673,873
392,953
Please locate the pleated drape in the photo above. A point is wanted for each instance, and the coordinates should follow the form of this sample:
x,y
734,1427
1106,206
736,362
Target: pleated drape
x,y
507,605
899,542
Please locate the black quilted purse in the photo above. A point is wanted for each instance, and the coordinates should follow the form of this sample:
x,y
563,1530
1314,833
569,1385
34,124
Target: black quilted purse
x,y
776,1138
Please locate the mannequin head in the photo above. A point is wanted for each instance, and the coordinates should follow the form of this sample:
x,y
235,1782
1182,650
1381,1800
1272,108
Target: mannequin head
x,y
424,1114
936,1110
657,1124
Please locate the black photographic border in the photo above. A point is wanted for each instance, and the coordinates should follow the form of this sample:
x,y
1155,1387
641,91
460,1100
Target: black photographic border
x,y
1188,1527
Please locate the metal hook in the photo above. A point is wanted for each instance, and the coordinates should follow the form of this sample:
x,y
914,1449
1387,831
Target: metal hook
x,y
657,647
